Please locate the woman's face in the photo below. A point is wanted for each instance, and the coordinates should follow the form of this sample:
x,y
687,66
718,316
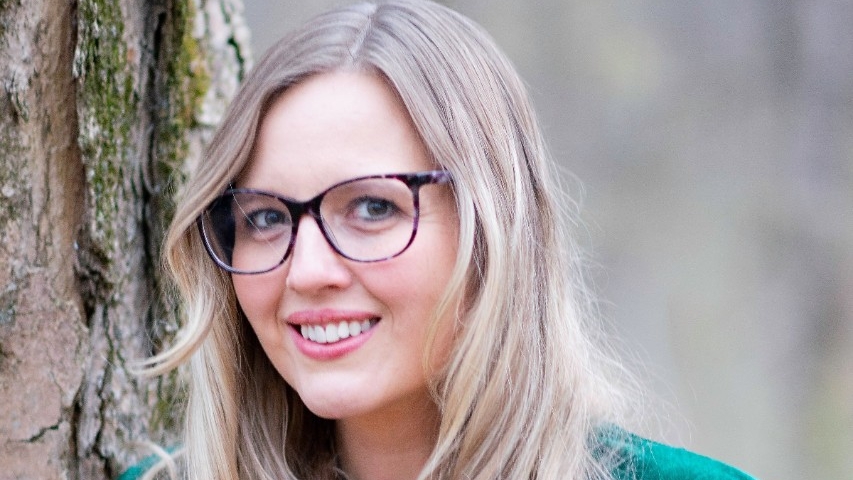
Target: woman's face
x,y
327,129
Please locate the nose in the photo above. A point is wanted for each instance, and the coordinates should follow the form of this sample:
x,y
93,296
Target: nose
x,y
314,265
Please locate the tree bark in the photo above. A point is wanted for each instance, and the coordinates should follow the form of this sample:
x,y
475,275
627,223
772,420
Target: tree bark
x,y
103,106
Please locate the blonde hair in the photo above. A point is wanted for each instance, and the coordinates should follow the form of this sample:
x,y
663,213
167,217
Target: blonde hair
x,y
526,387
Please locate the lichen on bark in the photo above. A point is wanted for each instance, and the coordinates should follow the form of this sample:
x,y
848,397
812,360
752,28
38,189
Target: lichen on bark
x,y
180,82
14,181
13,203
107,109
144,79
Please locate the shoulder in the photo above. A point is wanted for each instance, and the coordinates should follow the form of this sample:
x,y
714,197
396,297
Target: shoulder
x,y
135,472
154,462
637,458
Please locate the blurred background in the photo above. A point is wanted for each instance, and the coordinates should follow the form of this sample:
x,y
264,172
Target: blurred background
x,y
712,144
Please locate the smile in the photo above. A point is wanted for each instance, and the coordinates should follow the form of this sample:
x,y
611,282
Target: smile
x,y
335,332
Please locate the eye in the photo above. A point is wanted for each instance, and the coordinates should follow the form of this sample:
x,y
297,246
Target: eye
x,y
267,219
374,209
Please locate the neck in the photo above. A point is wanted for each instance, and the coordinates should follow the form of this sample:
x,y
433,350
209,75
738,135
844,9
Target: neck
x,y
393,445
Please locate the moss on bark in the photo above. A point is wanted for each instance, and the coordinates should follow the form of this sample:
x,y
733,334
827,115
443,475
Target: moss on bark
x,y
107,109
135,117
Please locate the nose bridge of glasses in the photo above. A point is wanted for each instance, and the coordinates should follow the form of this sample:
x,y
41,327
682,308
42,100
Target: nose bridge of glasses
x,y
298,211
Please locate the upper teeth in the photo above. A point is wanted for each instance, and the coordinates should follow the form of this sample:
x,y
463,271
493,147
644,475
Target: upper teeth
x,y
332,332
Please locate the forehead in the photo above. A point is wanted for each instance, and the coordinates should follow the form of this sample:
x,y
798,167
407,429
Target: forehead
x,y
332,127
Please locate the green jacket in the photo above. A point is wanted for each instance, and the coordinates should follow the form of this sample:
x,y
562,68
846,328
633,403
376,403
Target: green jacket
x,y
636,458
642,459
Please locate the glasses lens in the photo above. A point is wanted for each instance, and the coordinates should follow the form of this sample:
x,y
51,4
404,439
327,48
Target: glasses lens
x,y
247,232
369,219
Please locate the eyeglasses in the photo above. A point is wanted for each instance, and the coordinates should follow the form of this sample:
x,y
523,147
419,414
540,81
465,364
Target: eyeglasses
x,y
365,219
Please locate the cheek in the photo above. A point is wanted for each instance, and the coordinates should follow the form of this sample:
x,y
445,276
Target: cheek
x,y
412,285
414,282
255,295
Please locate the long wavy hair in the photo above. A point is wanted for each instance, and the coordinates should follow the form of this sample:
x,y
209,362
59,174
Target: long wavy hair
x,y
526,385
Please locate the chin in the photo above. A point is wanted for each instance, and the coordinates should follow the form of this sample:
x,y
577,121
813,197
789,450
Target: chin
x,y
330,403
330,408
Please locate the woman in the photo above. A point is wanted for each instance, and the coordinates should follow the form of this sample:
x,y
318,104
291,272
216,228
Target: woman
x,y
376,275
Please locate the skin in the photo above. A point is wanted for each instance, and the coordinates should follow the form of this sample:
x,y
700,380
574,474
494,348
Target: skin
x,y
330,128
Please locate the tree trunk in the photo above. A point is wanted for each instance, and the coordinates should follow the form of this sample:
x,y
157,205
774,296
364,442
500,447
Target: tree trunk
x,y
103,104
